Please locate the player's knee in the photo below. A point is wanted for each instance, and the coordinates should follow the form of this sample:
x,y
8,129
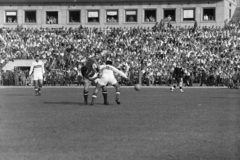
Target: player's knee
x,y
117,88
85,89
104,89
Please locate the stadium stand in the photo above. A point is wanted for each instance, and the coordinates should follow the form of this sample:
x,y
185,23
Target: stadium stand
x,y
209,53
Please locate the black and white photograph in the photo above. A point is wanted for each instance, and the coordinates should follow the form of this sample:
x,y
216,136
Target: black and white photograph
x,y
119,80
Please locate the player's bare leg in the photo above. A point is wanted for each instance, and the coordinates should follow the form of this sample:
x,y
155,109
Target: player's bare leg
x,y
180,85
40,84
104,92
95,92
36,87
173,87
117,87
85,92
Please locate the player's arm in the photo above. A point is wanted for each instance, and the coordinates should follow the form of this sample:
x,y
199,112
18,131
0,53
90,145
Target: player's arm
x,y
128,67
118,71
184,73
31,69
43,70
174,73
102,67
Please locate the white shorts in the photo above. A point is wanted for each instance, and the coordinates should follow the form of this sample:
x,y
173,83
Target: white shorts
x,y
37,77
107,80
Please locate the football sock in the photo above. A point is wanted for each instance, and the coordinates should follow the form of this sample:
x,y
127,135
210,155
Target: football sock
x,y
85,96
104,96
181,90
39,90
36,90
117,95
93,98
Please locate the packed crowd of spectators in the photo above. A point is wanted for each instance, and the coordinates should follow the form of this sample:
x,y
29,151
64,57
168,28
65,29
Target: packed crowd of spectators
x,y
208,55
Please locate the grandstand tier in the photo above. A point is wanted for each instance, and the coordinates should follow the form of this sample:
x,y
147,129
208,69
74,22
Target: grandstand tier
x,y
114,13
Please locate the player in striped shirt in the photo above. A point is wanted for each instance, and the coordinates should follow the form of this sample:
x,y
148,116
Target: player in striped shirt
x,y
37,69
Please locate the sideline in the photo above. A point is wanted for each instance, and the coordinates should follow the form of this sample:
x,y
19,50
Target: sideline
x,y
166,87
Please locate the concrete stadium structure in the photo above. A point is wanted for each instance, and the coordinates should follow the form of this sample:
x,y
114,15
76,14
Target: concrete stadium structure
x,y
114,13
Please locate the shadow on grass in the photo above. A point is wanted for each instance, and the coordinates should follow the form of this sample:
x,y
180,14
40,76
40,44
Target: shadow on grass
x,y
68,103
18,95
73,103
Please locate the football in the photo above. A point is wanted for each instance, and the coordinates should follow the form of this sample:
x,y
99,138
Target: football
x,y
137,87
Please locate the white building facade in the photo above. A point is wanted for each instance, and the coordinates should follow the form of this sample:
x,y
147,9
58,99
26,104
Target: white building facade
x,y
115,13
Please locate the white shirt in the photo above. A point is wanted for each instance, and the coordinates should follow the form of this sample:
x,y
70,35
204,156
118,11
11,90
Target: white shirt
x,y
108,70
37,67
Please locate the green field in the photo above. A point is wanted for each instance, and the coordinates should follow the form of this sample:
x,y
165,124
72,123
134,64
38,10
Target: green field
x,y
153,124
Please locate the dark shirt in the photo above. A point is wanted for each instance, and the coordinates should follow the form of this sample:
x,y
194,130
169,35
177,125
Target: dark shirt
x,y
178,72
88,71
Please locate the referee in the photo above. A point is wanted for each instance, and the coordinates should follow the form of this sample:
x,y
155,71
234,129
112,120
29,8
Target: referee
x,y
178,74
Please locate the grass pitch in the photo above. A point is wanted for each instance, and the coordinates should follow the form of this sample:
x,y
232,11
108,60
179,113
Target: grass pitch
x,y
153,124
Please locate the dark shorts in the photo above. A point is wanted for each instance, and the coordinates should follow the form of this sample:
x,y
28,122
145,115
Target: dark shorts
x,y
88,82
179,79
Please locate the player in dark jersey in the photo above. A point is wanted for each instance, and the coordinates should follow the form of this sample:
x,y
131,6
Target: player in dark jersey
x,y
90,73
178,74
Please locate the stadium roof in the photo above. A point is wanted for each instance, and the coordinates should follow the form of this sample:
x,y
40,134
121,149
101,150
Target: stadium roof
x,y
99,1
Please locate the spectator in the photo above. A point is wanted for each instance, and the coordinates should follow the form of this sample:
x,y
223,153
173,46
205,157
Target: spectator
x,y
16,76
205,17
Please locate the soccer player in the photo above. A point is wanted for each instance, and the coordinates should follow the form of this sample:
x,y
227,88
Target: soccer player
x,y
90,73
178,74
108,78
37,69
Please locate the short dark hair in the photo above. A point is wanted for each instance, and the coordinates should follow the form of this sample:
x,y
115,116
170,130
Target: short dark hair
x,y
109,63
84,69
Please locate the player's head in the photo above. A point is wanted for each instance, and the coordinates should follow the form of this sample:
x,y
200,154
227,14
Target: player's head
x,y
109,63
37,57
84,70
179,64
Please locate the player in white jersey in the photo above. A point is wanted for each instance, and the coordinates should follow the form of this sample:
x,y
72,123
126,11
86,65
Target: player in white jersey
x,y
37,69
108,78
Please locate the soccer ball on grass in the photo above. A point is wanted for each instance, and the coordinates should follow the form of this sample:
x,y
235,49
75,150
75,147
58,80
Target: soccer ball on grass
x,y
137,87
